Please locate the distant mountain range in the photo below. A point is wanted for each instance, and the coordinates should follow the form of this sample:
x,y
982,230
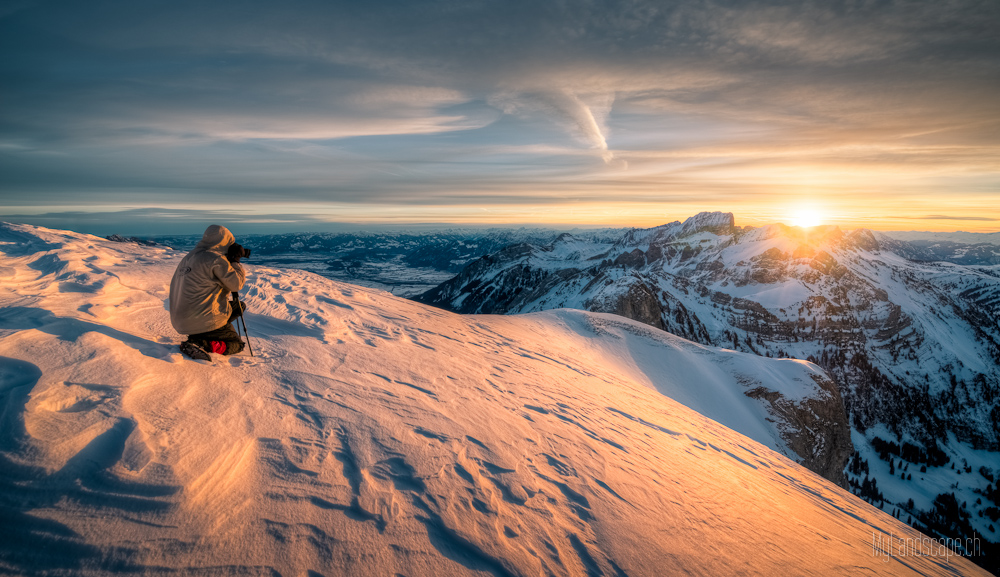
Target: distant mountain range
x,y
405,263
908,329
967,248
960,237
409,263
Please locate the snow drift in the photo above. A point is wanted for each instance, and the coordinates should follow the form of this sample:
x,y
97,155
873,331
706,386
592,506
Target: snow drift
x,y
373,435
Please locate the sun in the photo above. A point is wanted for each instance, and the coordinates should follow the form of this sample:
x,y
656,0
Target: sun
x,y
806,218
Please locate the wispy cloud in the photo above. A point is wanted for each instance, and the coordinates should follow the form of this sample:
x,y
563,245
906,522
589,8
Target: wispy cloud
x,y
948,217
585,117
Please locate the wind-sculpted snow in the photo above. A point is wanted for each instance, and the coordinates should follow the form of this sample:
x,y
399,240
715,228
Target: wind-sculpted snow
x,y
376,436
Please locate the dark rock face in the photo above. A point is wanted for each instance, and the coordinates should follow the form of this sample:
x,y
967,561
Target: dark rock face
x,y
132,239
640,303
816,429
636,258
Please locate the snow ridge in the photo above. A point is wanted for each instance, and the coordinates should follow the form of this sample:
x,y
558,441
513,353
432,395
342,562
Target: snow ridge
x,y
373,435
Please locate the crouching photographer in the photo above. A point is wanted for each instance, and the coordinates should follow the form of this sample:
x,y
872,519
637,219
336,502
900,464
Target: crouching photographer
x,y
199,295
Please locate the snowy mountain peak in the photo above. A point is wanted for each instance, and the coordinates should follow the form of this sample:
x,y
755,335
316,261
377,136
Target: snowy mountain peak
x,y
713,221
863,239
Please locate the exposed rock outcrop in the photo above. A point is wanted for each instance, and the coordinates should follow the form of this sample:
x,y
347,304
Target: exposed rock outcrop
x,y
815,428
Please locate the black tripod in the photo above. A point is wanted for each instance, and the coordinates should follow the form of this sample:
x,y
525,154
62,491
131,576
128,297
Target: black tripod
x,y
239,307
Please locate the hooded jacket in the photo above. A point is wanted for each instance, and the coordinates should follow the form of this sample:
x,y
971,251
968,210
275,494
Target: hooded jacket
x,y
200,287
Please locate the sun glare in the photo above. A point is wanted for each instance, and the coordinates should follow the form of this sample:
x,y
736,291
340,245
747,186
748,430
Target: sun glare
x,y
806,218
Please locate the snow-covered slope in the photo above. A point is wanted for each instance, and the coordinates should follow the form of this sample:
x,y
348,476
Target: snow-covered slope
x,y
375,436
913,346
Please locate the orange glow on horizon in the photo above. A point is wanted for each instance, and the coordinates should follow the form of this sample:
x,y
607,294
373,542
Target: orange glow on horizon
x,y
877,213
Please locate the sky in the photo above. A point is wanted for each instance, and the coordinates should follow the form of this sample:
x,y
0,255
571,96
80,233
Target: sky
x,y
155,117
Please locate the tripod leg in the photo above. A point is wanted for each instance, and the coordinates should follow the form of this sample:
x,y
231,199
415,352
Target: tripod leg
x,y
245,333
239,306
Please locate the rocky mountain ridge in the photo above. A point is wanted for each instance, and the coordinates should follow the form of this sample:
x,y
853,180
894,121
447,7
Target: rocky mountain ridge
x,y
914,346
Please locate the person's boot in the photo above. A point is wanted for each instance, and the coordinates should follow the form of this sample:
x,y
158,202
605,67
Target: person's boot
x,y
234,347
195,352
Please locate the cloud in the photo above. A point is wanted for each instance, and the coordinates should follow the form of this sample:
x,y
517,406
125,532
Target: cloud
x,y
580,117
584,119
947,217
172,221
436,102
